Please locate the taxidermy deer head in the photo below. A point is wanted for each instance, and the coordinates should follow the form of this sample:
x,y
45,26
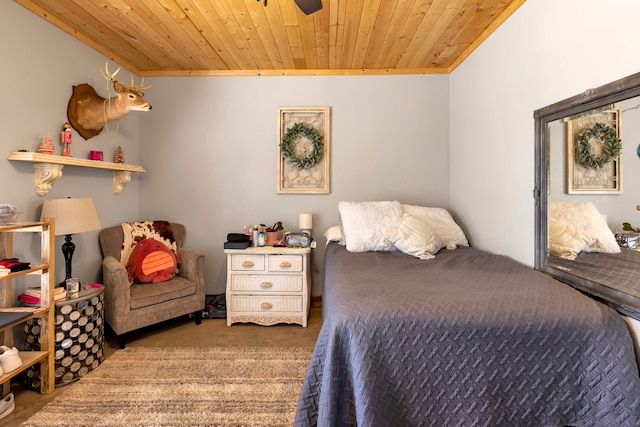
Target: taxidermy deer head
x,y
88,112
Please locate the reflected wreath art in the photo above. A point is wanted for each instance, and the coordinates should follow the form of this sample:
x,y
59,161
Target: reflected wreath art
x,y
287,146
611,145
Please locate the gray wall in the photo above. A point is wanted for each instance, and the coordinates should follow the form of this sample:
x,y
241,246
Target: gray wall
x,y
209,144
211,151
39,67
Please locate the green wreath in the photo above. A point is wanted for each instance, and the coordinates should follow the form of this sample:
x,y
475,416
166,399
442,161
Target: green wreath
x,y
611,145
287,146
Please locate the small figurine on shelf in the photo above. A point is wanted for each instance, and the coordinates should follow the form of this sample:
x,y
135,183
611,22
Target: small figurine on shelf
x,y
119,157
46,146
65,139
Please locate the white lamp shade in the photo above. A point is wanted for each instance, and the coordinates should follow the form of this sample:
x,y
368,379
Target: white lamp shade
x,y
305,221
72,215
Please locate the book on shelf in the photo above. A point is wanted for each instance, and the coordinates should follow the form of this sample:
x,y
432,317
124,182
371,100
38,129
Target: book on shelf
x,y
31,296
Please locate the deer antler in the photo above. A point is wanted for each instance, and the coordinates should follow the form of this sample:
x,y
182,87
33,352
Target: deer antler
x,y
109,76
139,88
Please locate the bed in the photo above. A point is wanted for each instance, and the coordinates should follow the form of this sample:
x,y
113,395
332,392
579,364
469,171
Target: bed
x,y
464,338
617,271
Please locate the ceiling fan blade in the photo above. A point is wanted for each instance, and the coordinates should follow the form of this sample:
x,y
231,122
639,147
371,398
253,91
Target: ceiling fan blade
x,y
309,6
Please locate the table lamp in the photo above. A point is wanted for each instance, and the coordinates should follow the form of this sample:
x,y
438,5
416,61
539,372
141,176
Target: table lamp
x,y
72,216
305,223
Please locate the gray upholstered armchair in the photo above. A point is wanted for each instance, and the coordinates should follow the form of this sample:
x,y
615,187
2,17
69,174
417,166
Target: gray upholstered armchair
x,y
130,307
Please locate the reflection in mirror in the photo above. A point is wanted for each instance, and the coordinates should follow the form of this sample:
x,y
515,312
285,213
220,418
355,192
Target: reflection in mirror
x,y
587,187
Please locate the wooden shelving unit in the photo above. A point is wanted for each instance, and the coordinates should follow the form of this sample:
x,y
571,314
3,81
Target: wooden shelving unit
x,y
45,312
48,168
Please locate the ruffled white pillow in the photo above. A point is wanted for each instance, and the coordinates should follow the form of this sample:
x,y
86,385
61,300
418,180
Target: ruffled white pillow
x,y
441,223
566,240
414,235
576,227
366,224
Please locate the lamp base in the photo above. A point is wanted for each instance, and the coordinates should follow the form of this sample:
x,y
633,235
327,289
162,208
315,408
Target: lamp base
x,y
68,247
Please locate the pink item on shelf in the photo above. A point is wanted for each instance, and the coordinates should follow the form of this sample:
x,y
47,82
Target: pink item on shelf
x,y
95,155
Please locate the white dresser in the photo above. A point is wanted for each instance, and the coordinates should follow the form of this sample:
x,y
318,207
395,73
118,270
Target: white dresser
x,y
268,285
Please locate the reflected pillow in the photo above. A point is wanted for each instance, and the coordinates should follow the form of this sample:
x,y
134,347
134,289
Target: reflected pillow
x,y
577,227
442,224
366,224
414,235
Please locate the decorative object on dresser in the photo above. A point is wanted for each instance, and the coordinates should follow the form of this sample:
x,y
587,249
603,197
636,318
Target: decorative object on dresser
x,y
305,223
79,337
129,307
268,285
73,216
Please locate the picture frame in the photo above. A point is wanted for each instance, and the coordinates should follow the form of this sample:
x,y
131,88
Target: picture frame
x,y
584,180
304,150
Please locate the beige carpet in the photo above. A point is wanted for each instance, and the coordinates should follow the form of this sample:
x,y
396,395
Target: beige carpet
x,y
222,386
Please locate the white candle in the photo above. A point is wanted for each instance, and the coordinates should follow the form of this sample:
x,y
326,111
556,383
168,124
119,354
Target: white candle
x,y
305,221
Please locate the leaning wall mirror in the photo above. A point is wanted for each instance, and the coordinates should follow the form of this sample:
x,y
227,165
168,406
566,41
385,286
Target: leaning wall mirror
x,y
587,173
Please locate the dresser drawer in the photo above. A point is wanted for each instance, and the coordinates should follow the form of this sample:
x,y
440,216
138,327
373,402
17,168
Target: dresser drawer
x,y
268,285
247,262
266,303
256,283
285,263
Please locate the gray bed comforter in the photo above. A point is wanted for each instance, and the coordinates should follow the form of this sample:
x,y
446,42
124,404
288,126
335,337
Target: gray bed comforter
x,y
465,339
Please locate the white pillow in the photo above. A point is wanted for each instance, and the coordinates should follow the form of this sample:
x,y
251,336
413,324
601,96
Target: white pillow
x,y
566,240
413,235
441,223
366,224
576,227
334,234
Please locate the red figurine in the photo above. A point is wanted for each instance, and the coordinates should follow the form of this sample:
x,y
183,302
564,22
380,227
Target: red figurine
x,y
65,139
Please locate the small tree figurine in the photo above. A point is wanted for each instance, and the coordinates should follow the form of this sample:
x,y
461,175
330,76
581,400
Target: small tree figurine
x,y
119,157
46,146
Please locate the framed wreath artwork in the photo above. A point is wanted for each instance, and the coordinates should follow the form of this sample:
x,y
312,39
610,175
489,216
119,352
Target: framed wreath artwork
x,y
594,153
303,150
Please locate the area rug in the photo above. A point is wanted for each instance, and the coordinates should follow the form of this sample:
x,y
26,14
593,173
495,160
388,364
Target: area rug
x,y
220,386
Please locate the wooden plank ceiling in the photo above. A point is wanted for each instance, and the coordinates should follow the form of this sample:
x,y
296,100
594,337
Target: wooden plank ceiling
x,y
246,37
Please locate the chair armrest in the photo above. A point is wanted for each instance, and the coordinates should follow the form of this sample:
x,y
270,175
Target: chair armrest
x,y
116,285
191,262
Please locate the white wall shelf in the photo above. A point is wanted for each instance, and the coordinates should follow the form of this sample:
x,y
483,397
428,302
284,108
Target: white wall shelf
x,y
48,168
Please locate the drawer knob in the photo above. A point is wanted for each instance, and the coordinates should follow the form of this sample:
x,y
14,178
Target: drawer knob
x,y
266,284
248,263
285,264
266,305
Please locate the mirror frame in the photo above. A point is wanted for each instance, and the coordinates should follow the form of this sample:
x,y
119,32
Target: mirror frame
x,y
611,93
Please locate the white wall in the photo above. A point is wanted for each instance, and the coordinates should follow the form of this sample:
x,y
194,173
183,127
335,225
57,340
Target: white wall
x,y
210,145
548,50
40,64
